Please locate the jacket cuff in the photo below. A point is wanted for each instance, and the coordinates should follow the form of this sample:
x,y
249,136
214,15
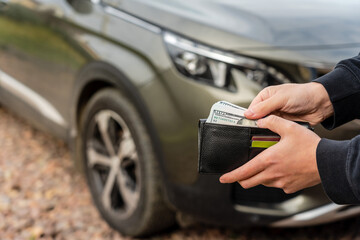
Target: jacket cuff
x,y
331,157
343,89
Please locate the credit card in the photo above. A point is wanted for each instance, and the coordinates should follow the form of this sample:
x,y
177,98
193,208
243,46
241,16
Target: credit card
x,y
265,138
263,144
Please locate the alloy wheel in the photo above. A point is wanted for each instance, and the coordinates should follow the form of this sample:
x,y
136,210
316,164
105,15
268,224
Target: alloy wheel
x,y
113,163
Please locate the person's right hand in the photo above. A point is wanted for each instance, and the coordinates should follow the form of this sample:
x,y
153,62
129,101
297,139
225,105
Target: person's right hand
x,y
307,102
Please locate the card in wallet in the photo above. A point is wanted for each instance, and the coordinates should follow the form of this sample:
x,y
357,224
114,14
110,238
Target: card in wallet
x,y
223,148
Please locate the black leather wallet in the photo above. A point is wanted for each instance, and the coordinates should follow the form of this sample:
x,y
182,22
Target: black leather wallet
x,y
223,148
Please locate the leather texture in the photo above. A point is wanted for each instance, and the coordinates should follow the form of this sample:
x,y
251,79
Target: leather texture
x,y
223,148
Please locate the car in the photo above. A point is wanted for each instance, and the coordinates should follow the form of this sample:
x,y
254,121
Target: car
x,y
125,82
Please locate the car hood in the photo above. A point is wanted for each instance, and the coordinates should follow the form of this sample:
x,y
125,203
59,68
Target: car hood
x,y
251,24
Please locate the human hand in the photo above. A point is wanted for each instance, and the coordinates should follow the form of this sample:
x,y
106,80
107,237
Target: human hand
x,y
290,164
307,102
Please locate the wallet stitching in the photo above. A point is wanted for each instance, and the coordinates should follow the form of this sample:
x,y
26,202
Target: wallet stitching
x,y
201,127
201,147
230,126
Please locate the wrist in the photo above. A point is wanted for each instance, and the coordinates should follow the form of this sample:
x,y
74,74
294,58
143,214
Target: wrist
x,y
322,100
316,174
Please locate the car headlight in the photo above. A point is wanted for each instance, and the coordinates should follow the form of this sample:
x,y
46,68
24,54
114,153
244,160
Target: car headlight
x,y
214,66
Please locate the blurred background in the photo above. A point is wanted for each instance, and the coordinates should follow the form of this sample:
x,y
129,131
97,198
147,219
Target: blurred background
x,y
100,103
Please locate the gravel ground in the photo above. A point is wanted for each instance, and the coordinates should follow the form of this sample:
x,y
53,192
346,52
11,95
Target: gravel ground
x,y
42,197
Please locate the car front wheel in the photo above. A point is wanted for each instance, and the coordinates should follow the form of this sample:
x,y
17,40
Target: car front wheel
x,y
121,167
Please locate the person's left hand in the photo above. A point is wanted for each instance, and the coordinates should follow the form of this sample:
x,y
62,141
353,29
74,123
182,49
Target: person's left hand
x,y
290,164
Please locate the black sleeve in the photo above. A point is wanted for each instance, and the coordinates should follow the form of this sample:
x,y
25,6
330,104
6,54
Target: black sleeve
x,y
343,87
339,167
339,161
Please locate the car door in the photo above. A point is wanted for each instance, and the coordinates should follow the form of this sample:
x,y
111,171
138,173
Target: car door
x,y
40,53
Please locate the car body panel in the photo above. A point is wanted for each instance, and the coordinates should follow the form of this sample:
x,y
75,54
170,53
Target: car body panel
x,y
52,74
47,61
255,28
282,23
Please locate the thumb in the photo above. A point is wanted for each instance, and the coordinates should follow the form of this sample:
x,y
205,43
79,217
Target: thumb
x,y
264,108
277,124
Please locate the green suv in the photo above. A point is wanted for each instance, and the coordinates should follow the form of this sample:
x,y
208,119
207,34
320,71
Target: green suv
x,y
124,83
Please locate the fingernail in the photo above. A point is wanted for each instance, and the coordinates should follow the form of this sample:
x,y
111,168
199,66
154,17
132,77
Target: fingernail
x,y
250,112
259,123
221,180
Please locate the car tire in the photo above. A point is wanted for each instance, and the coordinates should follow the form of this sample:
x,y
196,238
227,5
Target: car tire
x,y
121,166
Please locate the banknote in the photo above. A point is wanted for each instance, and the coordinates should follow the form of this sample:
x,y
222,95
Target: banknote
x,y
229,108
230,105
227,113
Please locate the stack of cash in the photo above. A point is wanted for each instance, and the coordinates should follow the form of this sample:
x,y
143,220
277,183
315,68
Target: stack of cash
x,y
227,113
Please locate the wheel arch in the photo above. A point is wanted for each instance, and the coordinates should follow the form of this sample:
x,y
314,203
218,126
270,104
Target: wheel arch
x,y
96,76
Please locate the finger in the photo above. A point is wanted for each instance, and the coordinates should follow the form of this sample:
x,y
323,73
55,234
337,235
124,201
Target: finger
x,y
267,107
260,178
265,103
251,168
277,124
288,116
300,118
262,95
